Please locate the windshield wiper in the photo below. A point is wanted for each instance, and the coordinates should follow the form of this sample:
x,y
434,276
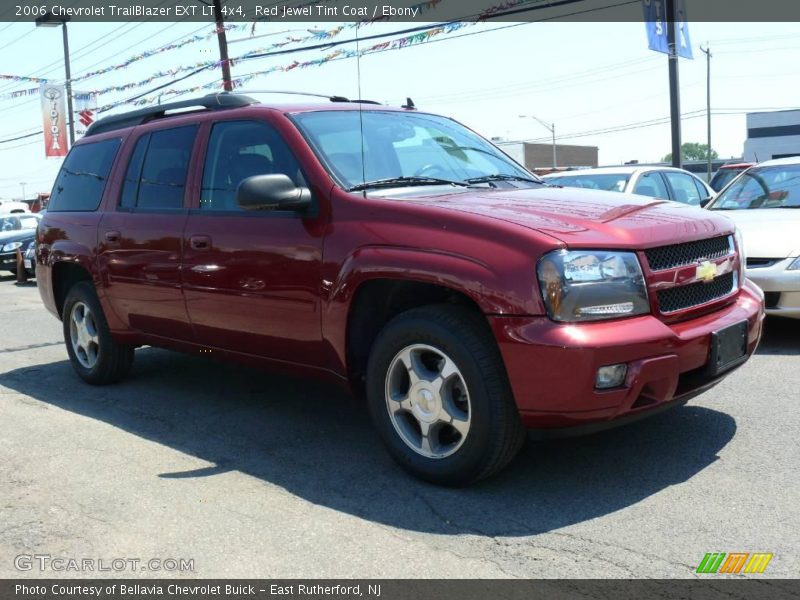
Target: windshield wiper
x,y
501,177
403,181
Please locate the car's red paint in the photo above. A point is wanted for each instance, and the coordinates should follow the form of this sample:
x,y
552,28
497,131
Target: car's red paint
x,y
272,290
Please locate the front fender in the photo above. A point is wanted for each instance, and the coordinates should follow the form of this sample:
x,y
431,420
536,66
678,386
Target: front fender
x,y
496,290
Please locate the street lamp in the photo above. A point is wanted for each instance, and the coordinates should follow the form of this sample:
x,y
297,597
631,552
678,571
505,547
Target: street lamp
x,y
551,127
50,20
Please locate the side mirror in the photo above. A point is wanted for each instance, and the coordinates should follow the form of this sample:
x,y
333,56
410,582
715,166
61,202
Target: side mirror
x,y
705,201
272,192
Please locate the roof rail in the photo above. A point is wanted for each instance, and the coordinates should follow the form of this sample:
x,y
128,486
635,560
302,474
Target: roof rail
x,y
218,101
332,98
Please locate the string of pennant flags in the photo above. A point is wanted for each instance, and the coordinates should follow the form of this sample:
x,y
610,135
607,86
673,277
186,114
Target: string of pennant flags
x,y
314,36
403,42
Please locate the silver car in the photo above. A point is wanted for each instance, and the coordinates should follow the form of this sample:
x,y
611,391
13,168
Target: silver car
x,y
666,183
764,202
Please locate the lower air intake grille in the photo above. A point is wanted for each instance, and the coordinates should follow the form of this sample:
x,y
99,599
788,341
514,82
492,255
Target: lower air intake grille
x,y
678,255
772,299
695,294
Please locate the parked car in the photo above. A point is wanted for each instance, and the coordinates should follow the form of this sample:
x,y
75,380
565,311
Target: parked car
x,y
417,264
17,232
727,173
666,183
8,207
764,202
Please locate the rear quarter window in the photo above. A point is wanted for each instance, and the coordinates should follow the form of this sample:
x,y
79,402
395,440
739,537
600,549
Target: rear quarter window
x,y
82,178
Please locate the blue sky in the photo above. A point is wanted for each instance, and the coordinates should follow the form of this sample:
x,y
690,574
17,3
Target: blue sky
x,y
583,77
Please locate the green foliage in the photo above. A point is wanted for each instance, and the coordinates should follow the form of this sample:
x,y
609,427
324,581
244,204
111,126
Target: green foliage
x,y
693,151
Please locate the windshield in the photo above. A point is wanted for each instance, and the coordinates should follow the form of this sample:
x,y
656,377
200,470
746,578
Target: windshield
x,y
762,187
723,177
608,182
398,146
18,223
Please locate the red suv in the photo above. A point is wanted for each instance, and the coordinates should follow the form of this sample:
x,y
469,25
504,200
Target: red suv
x,y
399,253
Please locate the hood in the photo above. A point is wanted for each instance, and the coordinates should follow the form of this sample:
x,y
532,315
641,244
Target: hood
x,y
589,218
768,232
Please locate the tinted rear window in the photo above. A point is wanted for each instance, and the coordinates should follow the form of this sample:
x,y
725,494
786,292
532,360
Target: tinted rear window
x,y
82,178
156,175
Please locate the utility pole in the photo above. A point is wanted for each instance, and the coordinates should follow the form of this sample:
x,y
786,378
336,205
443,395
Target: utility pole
x,y
707,52
549,126
23,184
223,46
674,92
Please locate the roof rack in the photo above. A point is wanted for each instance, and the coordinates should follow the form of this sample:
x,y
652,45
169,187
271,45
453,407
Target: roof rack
x,y
218,101
332,98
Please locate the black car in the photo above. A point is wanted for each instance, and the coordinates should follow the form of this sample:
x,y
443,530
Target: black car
x,y
17,232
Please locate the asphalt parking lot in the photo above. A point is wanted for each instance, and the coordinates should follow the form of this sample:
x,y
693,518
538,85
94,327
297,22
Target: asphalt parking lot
x,y
255,475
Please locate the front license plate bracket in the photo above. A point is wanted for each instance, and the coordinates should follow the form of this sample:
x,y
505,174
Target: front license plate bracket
x,y
728,348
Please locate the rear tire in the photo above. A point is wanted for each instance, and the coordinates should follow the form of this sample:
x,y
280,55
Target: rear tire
x,y
439,395
94,354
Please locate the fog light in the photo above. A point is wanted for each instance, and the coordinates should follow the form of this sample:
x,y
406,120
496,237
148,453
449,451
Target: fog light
x,y
610,376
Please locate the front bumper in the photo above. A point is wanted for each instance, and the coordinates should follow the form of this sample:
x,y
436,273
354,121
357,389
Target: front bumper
x,y
8,261
552,366
781,287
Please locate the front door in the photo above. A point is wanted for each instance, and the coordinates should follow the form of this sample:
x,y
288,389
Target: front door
x,y
252,278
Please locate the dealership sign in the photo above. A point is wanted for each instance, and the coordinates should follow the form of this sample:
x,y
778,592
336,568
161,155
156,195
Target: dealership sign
x,y
655,19
85,109
54,119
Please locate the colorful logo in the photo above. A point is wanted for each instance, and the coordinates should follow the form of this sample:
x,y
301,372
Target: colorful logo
x,y
734,562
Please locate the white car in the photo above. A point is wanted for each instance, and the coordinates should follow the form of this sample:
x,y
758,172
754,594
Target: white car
x,y
8,207
666,183
764,202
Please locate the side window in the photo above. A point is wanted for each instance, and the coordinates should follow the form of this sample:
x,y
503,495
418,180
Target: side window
x,y
651,184
82,178
684,187
238,150
156,175
701,189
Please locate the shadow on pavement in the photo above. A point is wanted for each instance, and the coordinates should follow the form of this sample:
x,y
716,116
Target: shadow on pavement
x,y
316,441
781,336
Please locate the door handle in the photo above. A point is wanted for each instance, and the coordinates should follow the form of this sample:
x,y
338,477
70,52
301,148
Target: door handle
x,y
113,237
200,242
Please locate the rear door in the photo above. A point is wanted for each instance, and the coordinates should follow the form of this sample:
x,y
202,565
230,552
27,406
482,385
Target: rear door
x,y
140,236
252,278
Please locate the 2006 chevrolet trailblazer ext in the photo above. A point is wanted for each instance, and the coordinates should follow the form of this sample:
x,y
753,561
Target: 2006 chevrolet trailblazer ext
x,y
415,261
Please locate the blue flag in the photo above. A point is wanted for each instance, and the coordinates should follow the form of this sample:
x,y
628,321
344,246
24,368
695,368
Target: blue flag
x,y
655,19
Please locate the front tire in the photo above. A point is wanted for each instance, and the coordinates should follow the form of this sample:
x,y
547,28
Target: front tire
x,y
94,354
439,396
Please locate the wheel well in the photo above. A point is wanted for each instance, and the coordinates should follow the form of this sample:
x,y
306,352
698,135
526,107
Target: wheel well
x,y
65,275
376,303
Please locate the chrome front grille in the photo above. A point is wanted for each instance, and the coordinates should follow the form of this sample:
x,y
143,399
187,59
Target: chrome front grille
x,y
689,253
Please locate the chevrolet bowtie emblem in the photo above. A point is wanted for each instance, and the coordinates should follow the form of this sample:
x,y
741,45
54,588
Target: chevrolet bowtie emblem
x,y
706,271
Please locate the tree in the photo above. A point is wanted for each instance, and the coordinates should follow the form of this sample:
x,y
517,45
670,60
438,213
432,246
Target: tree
x,y
693,151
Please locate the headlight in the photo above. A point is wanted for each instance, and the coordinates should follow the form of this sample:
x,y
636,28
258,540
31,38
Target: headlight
x,y
11,246
795,266
31,251
589,285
